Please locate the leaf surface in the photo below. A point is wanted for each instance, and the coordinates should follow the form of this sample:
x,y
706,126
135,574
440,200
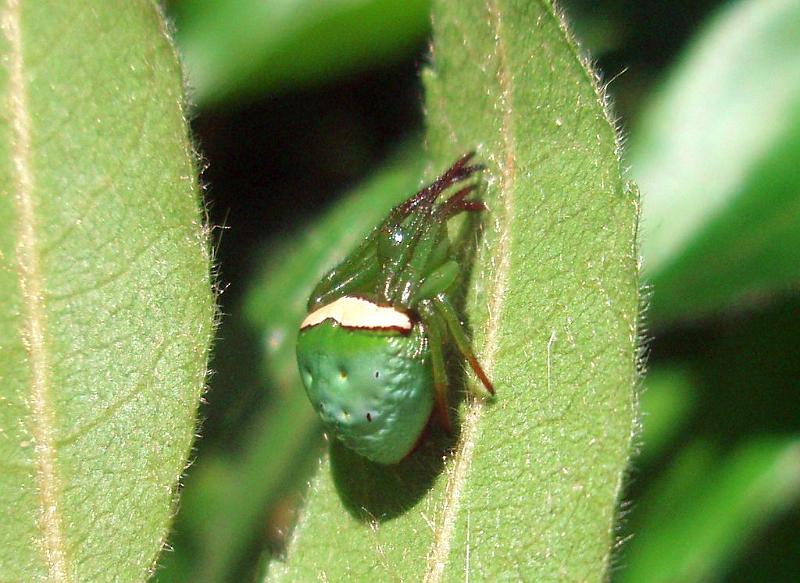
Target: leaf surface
x,y
528,487
107,310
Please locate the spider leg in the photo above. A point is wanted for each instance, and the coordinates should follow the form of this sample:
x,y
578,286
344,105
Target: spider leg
x,y
456,203
472,206
411,232
435,339
459,171
446,311
343,280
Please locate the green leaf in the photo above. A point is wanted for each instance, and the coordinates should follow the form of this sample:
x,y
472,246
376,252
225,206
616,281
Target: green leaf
x,y
107,310
716,159
718,503
529,486
238,49
225,500
708,506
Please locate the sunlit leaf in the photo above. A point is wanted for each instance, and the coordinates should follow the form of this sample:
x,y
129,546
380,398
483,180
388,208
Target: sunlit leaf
x,y
107,308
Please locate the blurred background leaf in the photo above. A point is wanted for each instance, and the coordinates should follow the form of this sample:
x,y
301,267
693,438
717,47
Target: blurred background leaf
x,y
238,49
708,507
716,152
719,500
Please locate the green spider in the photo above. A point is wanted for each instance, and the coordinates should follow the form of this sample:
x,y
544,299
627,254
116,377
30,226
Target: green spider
x,y
371,350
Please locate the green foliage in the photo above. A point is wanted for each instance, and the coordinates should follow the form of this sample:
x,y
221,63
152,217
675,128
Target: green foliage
x,y
715,152
709,506
721,484
554,313
716,158
243,48
666,406
107,308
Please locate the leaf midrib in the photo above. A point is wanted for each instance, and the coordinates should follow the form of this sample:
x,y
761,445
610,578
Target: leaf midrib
x,y
34,321
462,462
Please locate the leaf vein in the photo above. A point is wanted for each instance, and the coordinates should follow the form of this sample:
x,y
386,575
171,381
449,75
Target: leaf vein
x,y
457,476
34,320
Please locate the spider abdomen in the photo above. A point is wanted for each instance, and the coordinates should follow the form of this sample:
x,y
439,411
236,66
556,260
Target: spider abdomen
x,y
372,387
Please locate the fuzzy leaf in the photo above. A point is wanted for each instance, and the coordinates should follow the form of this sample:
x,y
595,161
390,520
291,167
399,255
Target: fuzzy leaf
x,y
107,310
528,488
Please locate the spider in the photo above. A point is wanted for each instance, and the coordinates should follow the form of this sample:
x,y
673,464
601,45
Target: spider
x,y
371,349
